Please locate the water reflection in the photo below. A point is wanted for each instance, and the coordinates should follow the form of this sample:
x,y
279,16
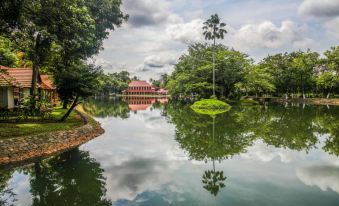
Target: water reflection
x,y
173,156
72,178
7,196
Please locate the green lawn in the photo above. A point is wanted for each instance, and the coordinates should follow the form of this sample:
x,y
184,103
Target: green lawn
x,y
8,130
210,107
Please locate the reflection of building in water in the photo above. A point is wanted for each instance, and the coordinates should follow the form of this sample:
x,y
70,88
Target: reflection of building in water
x,y
143,103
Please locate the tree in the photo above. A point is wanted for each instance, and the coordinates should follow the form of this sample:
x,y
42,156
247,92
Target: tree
x,y
256,80
78,27
327,81
193,72
303,65
78,81
214,29
332,59
155,83
7,53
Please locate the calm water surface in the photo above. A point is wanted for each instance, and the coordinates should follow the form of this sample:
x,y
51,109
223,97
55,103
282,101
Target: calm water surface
x,y
156,153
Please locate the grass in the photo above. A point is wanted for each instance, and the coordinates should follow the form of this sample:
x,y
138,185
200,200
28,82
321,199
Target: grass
x,y
247,102
210,106
9,130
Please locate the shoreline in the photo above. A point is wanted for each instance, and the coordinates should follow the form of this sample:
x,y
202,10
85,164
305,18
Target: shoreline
x,y
313,101
24,149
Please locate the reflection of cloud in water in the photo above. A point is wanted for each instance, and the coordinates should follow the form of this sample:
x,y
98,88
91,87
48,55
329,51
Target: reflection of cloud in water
x,y
131,178
266,153
325,177
20,184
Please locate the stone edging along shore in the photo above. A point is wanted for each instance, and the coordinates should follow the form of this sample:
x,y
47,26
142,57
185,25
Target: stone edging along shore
x,y
26,148
314,101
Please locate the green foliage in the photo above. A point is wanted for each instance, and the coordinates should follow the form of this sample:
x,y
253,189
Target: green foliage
x,y
213,181
193,72
8,56
256,80
9,130
59,34
114,82
210,107
214,28
156,83
78,81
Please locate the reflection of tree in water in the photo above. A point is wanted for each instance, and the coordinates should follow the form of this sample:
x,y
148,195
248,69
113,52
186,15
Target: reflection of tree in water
x,y
213,181
107,108
7,196
330,122
296,128
72,178
194,133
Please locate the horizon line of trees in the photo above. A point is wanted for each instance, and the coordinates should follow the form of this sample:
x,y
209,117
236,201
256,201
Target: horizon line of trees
x,y
294,74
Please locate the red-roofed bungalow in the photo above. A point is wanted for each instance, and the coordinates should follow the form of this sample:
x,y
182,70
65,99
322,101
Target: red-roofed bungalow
x,y
15,84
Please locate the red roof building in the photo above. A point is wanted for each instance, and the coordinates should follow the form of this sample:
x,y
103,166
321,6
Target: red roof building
x,y
139,88
143,88
15,84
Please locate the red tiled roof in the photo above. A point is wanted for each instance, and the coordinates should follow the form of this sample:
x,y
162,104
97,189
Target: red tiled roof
x,y
7,81
47,82
22,75
139,84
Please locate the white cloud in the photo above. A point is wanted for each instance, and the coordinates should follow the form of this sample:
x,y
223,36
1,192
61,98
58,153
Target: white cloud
x,y
160,60
264,153
326,11
319,8
186,32
267,35
325,177
332,27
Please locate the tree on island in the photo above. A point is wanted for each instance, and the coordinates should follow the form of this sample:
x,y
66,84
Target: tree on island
x,y
214,29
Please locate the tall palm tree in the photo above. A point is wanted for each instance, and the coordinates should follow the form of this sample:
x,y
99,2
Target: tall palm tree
x,y
214,29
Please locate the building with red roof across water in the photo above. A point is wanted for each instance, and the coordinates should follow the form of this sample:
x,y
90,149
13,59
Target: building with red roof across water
x,y
15,84
139,88
143,88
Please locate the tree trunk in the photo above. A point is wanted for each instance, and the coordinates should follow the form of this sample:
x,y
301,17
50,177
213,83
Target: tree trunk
x,y
33,90
64,104
35,72
74,104
214,67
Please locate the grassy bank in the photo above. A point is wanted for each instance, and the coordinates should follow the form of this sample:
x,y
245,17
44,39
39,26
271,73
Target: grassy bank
x,y
210,106
9,130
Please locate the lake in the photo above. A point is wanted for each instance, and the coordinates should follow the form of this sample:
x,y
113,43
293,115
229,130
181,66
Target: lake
x,y
160,152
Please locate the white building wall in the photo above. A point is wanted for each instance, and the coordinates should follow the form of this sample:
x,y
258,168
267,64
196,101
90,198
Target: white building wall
x,y
10,97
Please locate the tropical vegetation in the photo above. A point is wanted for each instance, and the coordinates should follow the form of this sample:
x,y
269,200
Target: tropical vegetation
x,y
58,37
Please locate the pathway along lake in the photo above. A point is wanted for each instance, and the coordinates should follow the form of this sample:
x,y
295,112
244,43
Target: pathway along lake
x,y
157,154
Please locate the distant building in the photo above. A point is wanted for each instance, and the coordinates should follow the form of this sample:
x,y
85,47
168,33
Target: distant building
x,y
143,88
15,84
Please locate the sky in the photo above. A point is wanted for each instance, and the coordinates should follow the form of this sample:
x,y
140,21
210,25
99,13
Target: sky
x,y
158,32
